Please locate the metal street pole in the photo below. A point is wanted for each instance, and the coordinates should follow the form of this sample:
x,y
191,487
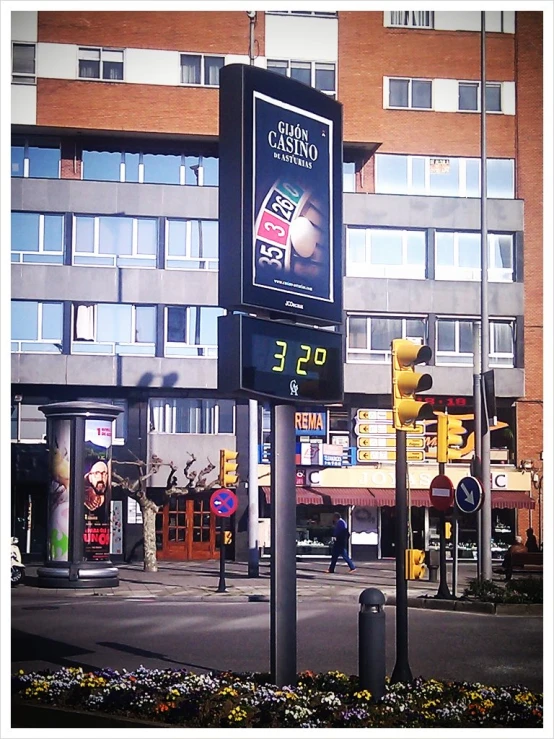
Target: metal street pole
x,y
253,508
221,588
486,511
476,466
401,672
283,546
443,591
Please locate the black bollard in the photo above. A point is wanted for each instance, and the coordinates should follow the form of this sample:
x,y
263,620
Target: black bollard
x,y
371,642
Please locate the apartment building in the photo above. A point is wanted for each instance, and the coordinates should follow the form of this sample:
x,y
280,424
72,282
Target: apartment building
x,y
115,256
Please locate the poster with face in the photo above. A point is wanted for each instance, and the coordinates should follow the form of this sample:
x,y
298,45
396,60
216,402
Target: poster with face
x,y
97,490
58,493
293,229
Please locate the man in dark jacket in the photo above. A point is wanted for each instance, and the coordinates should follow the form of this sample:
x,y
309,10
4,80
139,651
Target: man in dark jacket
x,y
340,542
531,542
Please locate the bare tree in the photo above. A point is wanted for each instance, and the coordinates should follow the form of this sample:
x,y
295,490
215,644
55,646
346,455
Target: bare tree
x,y
136,486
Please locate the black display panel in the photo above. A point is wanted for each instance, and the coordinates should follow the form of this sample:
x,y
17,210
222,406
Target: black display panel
x,y
278,360
280,197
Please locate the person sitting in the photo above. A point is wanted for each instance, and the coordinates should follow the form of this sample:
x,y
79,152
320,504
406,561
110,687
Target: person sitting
x,y
515,548
531,542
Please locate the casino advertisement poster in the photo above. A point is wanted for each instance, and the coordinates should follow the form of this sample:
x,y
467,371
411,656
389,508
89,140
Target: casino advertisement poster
x,y
292,201
97,490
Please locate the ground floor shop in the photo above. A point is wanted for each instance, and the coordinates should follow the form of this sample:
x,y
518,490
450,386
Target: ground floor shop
x,y
371,519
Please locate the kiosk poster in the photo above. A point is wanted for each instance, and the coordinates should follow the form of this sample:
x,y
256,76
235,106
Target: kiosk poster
x,y
97,490
292,201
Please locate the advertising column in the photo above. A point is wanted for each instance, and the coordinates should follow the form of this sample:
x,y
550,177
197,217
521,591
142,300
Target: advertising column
x,y
78,527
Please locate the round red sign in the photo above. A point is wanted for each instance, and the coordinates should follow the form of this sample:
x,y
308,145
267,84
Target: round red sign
x,y
441,491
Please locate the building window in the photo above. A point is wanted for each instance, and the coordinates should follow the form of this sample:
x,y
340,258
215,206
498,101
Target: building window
x,y
455,342
198,69
36,327
115,241
320,75
348,177
150,167
191,416
114,328
469,97
458,256
410,93
409,18
191,331
101,64
369,337
36,157
28,424
444,176
191,244
37,238
377,252
24,64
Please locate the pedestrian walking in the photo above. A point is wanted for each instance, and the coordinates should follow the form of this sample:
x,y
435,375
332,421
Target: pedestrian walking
x,y
340,542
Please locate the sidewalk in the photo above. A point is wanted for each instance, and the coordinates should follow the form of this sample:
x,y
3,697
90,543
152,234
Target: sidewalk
x,y
199,580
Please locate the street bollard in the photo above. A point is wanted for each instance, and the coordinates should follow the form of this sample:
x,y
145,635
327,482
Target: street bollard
x,y
371,642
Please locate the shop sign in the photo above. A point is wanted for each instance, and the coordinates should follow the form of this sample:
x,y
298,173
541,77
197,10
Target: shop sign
x,y
311,423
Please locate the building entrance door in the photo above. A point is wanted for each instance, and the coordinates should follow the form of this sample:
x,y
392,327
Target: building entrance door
x,y
186,529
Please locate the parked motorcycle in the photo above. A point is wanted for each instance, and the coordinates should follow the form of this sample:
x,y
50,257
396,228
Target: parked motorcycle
x,y
18,568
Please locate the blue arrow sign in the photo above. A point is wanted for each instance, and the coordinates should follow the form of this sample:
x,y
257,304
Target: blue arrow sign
x,y
469,495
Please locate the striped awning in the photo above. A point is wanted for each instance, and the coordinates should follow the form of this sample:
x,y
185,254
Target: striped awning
x,y
511,499
378,497
304,496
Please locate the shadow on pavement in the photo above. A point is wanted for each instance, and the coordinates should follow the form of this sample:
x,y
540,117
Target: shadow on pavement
x,y
137,651
28,647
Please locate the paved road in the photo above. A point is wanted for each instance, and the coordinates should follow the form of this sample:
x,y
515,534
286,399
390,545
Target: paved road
x,y
172,632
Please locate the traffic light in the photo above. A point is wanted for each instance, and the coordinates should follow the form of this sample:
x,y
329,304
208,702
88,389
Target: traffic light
x,y
449,434
447,530
406,382
415,564
228,475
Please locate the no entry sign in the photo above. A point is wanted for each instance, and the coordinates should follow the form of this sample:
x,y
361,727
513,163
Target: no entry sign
x,y
441,491
223,502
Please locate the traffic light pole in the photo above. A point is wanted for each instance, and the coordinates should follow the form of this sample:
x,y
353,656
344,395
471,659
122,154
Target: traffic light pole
x,y
283,546
401,672
443,591
486,512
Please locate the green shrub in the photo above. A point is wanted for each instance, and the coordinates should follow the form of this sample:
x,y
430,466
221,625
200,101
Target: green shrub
x,y
525,590
518,590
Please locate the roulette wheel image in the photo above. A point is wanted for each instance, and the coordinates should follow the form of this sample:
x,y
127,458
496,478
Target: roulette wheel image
x,y
291,237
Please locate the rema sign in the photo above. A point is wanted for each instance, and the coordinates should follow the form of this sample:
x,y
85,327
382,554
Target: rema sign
x,y
280,197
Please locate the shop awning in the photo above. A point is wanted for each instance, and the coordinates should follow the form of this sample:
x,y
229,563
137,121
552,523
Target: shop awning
x,y
347,496
377,497
304,496
512,499
329,496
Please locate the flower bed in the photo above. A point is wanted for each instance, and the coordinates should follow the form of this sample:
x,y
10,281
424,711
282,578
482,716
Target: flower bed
x,y
331,699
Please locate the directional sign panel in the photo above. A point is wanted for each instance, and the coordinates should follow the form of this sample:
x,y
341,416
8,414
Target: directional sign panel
x,y
441,491
223,502
469,495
